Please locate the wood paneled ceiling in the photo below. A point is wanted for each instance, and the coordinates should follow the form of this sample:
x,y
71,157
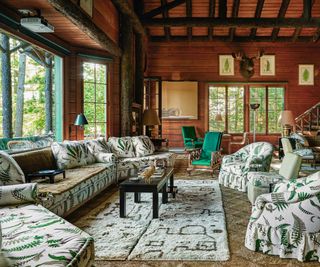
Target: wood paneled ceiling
x,y
64,28
232,20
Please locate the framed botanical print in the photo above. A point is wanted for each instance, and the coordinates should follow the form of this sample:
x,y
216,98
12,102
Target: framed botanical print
x,y
86,5
226,65
306,74
267,65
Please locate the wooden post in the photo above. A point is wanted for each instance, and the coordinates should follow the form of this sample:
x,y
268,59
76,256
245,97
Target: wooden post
x,y
6,86
139,70
126,75
48,92
20,95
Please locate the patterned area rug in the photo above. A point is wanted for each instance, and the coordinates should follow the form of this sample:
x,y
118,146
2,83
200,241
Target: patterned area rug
x,y
190,227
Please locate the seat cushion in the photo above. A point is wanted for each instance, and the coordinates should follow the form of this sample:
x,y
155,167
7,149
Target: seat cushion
x,y
79,185
10,171
263,179
122,147
34,236
201,162
143,146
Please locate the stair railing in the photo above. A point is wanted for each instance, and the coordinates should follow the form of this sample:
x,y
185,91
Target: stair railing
x,y
309,120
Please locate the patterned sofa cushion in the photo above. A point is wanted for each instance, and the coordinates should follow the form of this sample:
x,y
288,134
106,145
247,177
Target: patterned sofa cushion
x,y
143,146
101,150
34,236
10,172
80,184
122,147
18,194
71,154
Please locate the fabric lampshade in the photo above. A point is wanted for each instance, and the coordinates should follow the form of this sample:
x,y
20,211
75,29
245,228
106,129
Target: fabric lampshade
x,y
286,118
150,117
80,120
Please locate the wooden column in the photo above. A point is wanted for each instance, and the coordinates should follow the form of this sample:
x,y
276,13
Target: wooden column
x,y
126,75
6,86
20,95
139,70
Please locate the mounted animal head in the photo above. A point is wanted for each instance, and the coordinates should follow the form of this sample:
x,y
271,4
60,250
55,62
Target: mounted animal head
x,y
246,63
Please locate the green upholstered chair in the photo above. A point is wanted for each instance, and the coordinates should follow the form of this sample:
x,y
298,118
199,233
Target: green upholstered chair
x,y
190,138
261,182
207,158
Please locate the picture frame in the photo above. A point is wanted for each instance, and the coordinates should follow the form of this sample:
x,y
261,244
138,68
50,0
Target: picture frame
x,y
306,74
87,6
268,65
226,65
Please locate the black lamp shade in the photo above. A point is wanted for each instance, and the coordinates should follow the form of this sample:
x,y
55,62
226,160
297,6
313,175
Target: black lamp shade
x,y
255,106
80,120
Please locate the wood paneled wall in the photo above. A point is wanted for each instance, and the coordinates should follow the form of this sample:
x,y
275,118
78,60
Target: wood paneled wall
x,y
199,62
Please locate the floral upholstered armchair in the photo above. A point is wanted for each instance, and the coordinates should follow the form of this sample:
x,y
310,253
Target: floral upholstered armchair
x,y
235,167
287,221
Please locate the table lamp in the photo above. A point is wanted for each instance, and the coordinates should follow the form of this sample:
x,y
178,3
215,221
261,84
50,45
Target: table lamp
x,y
81,120
150,119
287,122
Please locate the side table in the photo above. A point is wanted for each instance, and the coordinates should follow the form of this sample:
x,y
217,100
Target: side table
x,y
45,173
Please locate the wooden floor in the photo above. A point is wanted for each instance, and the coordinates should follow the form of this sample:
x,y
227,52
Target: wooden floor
x,y
237,210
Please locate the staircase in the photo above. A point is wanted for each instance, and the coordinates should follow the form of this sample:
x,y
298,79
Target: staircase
x,y
309,121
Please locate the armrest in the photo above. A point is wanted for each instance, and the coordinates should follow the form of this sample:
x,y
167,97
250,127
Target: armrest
x,y
194,155
188,140
229,158
105,157
18,194
200,139
216,157
282,209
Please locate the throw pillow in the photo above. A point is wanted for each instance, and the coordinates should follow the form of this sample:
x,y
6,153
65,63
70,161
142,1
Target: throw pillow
x,y
88,155
143,146
105,157
122,147
98,145
69,154
10,171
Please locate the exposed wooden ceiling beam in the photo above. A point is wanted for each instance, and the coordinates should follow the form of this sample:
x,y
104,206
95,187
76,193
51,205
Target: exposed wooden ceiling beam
x,y
222,9
226,38
235,12
212,9
281,14
234,22
125,9
307,7
257,15
159,10
189,15
306,14
84,23
165,14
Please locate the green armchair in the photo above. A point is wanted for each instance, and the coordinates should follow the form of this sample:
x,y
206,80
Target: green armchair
x,y
209,157
190,138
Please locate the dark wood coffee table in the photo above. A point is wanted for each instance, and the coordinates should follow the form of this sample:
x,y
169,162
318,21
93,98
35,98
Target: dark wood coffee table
x,y
155,186
45,173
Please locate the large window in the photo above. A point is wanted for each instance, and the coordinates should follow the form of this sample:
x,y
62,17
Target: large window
x,y
31,82
95,99
229,108
226,108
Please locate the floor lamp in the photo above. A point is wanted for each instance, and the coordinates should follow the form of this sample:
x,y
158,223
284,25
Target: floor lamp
x,y
254,107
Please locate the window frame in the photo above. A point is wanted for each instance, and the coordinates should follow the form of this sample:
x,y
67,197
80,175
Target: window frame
x,y
107,102
247,87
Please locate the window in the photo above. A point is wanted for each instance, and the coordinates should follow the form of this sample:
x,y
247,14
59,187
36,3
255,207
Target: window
x,y
227,101
232,103
36,89
95,99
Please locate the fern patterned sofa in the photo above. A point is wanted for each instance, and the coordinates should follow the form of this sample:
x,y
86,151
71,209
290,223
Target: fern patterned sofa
x,y
86,174
132,153
34,236
235,167
287,221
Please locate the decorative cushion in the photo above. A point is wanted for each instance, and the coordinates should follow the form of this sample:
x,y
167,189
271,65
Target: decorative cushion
x,y
300,140
18,194
122,146
105,157
88,155
98,145
70,154
10,172
143,146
